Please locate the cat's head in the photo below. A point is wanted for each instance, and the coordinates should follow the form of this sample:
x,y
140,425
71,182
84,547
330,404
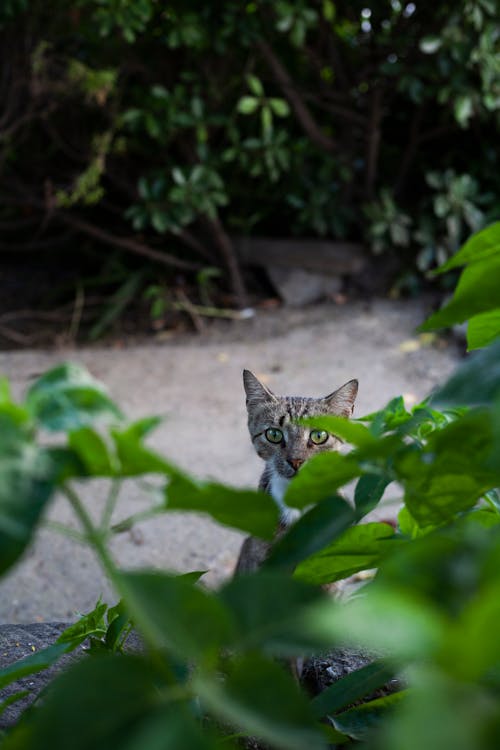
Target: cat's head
x,y
276,436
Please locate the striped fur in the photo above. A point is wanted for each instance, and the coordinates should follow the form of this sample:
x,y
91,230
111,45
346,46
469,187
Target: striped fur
x,y
283,460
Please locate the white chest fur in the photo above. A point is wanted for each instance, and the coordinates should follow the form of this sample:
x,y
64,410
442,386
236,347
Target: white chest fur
x,y
278,487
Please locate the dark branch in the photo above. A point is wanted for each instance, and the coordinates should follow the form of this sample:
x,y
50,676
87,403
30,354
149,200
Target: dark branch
x,y
298,105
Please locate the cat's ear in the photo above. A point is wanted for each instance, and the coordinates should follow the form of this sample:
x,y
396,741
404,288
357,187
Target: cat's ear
x,y
341,401
255,390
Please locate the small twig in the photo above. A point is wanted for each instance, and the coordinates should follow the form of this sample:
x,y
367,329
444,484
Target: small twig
x,y
126,243
226,250
76,317
186,305
145,515
60,528
216,312
15,336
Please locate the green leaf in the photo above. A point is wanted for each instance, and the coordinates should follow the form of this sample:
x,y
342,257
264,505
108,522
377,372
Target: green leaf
x,y
28,477
268,607
360,722
474,637
173,614
69,639
266,117
453,472
93,452
103,702
351,688
136,458
358,548
320,477
318,527
255,85
259,697
369,491
67,398
390,619
476,292
280,107
90,624
463,109
347,429
476,382
481,246
33,663
248,510
483,329
430,44
247,105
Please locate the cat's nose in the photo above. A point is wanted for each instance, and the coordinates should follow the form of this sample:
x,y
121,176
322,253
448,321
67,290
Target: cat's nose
x,y
295,463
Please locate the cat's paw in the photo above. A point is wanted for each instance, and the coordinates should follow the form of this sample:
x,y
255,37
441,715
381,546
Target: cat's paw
x,y
289,516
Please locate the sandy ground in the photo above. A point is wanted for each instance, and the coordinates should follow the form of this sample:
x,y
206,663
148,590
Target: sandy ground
x,y
196,384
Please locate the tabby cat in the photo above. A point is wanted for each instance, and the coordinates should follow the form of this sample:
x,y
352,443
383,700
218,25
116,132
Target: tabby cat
x,y
285,446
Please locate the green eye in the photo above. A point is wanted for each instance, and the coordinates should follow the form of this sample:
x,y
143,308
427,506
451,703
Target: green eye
x,y
318,437
274,435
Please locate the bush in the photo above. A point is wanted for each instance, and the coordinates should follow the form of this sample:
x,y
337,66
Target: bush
x,y
210,666
160,131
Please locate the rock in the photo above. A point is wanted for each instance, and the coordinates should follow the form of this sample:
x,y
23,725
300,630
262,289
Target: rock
x,y
298,287
319,256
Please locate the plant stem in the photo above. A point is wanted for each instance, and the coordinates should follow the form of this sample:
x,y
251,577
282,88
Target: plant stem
x,y
110,505
144,515
60,528
94,536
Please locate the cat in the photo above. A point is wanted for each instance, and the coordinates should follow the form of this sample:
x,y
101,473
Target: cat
x,y
285,445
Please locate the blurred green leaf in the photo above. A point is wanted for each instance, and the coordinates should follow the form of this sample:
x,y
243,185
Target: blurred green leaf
x,y
319,478
247,105
369,491
476,382
174,614
248,510
259,697
117,694
476,292
93,452
479,247
357,548
28,478
453,472
318,527
268,608
397,622
351,688
361,722
349,430
67,398
483,329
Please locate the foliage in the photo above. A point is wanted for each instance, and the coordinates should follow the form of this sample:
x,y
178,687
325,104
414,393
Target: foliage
x,y
175,126
211,666
476,295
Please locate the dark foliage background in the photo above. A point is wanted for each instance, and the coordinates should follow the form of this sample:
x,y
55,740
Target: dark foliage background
x,y
136,139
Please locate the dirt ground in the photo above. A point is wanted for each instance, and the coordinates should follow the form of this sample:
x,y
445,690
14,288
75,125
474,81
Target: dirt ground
x,y
195,382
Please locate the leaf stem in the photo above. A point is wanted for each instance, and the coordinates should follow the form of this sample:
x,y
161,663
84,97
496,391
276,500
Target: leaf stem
x,y
110,505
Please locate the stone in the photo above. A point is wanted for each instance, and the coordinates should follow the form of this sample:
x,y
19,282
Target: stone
x,y
319,256
298,287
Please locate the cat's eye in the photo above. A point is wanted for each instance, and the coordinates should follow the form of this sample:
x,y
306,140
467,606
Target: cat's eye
x,y
318,437
274,435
